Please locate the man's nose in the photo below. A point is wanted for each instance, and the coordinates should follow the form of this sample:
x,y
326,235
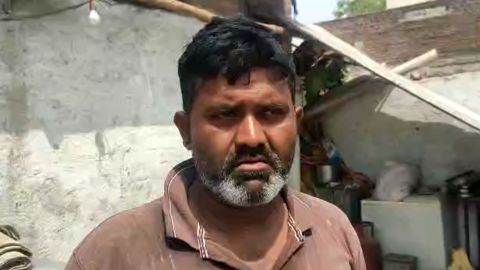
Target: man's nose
x,y
250,133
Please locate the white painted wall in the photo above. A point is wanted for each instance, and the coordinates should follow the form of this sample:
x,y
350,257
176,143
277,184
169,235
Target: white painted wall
x,y
387,123
85,118
412,227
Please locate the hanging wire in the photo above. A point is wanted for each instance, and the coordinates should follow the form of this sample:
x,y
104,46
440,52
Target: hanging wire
x,y
50,13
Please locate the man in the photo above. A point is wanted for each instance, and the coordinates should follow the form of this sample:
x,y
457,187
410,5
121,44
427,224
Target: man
x,y
229,206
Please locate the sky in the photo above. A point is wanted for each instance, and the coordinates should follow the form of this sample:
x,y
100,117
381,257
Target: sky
x,y
311,11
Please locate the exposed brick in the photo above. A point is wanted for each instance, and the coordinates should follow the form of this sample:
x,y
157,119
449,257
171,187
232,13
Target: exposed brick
x,y
389,37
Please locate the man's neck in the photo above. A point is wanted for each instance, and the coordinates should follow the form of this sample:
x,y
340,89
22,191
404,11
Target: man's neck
x,y
249,232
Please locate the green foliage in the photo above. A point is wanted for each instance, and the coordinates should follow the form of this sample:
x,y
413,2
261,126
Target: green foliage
x,y
326,75
348,8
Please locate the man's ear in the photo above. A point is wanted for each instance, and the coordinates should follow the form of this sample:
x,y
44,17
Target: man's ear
x,y
299,117
182,121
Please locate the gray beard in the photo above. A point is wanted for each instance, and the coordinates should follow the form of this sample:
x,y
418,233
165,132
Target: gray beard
x,y
231,187
234,192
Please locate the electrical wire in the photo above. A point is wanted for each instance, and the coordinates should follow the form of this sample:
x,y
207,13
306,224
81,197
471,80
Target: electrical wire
x,y
49,13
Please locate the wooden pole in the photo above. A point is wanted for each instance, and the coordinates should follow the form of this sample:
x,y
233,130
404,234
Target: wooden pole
x,y
181,8
196,12
416,62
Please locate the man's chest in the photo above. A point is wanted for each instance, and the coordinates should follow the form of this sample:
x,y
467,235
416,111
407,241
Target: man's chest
x,y
309,256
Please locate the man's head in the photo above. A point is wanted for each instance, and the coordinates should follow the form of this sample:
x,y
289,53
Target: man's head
x,y
239,119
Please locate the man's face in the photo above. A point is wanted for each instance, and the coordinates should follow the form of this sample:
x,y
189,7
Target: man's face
x,y
242,136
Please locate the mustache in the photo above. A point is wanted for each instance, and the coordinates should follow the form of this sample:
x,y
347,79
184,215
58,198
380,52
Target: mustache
x,y
261,153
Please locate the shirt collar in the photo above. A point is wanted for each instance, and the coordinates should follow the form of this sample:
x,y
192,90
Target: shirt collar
x,y
179,220
180,223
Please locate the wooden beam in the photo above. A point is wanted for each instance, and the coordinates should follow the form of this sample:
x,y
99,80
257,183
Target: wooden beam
x,y
346,92
196,12
180,8
438,101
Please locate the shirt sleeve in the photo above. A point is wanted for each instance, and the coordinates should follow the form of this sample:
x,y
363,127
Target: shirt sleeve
x,y
358,259
357,254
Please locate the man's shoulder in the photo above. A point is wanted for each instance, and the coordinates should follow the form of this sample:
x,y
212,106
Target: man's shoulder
x,y
320,208
146,216
331,224
133,229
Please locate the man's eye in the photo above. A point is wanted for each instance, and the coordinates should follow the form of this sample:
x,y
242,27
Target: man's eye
x,y
273,113
225,114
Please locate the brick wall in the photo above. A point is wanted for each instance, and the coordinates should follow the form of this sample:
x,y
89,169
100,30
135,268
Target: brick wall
x,y
401,3
397,35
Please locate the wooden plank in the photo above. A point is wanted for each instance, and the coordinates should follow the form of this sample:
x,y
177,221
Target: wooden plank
x,y
442,103
223,8
347,91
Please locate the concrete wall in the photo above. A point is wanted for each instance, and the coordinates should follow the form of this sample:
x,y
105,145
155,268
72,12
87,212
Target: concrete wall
x,y
386,123
85,118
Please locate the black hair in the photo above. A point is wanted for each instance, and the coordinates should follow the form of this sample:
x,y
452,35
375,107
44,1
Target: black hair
x,y
230,47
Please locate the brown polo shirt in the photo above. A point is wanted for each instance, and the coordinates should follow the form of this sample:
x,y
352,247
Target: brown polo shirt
x,y
164,235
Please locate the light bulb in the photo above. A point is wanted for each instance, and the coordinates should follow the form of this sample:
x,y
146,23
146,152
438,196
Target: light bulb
x,y
94,17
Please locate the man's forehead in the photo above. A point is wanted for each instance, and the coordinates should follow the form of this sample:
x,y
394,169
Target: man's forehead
x,y
257,79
